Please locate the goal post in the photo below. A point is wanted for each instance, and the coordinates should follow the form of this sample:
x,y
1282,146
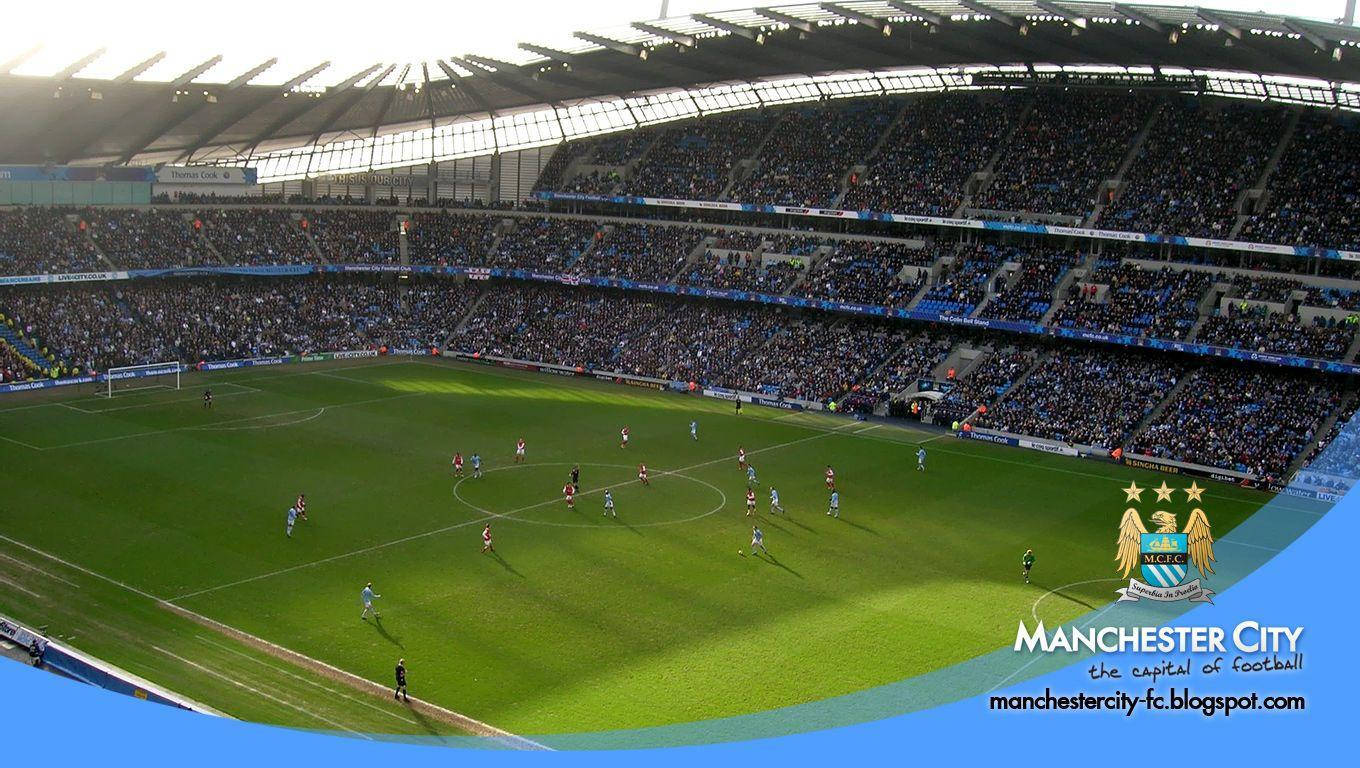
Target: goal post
x,y
131,378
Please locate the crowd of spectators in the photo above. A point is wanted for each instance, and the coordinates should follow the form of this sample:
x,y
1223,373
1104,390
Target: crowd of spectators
x,y
1197,160
738,271
1255,328
1028,293
13,366
1160,303
642,251
694,160
1243,419
41,240
450,239
809,154
258,236
355,236
96,327
147,238
1314,192
984,384
1062,152
916,360
550,244
929,155
962,285
1333,461
1087,397
871,272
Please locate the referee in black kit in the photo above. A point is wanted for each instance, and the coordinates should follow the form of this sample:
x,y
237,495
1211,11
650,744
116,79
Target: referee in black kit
x,y
401,681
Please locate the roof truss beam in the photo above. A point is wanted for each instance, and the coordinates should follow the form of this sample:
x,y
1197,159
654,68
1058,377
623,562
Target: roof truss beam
x,y
238,114
1076,20
627,49
855,16
934,19
726,26
79,64
1231,29
348,103
977,7
136,69
675,37
1140,17
783,18
1318,41
465,83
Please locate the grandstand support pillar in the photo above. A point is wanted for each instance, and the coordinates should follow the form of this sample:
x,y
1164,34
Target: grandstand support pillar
x,y
493,191
370,194
309,190
432,183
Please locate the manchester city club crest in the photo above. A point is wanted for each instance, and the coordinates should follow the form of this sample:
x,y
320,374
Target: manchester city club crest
x,y
1167,556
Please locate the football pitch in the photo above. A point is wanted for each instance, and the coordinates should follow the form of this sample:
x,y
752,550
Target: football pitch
x,y
116,510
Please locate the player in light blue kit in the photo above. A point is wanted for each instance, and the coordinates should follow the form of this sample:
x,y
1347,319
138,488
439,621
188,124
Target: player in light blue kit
x,y
367,597
694,430
476,465
921,459
751,475
609,504
835,509
758,540
774,502
292,518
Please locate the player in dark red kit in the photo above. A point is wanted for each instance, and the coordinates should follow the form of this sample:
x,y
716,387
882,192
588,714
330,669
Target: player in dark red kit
x,y
301,505
642,474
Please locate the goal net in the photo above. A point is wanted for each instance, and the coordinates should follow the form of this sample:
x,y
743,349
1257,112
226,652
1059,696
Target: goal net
x,y
138,378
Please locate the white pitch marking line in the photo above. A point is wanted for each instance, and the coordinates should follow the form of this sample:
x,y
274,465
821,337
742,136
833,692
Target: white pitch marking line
x,y
26,591
861,430
215,424
319,413
261,693
1034,610
500,734
20,442
36,569
302,679
464,524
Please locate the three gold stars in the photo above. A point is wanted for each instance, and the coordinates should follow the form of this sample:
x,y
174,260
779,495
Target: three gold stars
x,y
1134,493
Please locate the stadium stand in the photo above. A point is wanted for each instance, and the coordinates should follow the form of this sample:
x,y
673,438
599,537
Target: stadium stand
x,y
929,155
1126,298
808,155
147,238
695,160
1069,397
1241,419
1196,162
258,236
1311,198
42,240
1063,150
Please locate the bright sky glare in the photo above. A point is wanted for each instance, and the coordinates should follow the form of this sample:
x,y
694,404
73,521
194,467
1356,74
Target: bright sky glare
x,y
350,35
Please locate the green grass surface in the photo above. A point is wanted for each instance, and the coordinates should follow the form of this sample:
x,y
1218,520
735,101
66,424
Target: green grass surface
x,y
579,623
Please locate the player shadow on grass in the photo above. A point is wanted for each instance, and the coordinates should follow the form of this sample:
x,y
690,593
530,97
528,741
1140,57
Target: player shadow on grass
x,y
853,524
772,560
1064,595
378,625
505,563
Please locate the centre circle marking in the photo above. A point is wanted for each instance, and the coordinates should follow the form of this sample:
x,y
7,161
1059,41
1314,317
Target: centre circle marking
x,y
513,514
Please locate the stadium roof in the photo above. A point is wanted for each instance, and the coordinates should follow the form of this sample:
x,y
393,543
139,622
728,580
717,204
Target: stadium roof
x,y
67,118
